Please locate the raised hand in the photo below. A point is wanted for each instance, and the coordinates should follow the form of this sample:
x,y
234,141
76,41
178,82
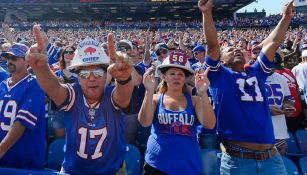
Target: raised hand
x,y
120,63
205,6
289,9
37,55
201,80
149,81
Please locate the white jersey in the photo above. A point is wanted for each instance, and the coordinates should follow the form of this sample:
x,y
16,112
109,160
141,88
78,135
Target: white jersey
x,y
300,73
278,90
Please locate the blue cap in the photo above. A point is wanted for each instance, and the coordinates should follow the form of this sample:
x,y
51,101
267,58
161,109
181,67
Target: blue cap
x,y
199,48
17,49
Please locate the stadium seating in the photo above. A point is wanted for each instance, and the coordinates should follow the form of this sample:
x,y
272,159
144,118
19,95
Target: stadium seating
x,y
303,165
290,166
56,154
132,160
292,146
301,136
211,160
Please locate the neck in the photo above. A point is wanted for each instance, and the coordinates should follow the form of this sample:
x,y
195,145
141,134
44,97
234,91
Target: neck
x,y
67,73
174,93
17,77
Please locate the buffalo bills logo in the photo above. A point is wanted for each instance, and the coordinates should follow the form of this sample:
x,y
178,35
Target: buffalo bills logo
x,y
178,58
89,50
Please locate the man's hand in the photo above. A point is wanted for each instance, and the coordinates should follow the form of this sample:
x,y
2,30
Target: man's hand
x,y
288,10
121,66
201,81
276,111
205,6
37,55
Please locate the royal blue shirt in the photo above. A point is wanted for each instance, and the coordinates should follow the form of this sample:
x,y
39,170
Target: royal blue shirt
x,y
23,102
172,146
93,145
240,100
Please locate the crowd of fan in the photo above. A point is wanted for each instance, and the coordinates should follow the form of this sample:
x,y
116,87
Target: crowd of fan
x,y
240,22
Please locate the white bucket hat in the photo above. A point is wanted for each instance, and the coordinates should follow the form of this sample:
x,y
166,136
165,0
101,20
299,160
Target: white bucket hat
x,y
88,53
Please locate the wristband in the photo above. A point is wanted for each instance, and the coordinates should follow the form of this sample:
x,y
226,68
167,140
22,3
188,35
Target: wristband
x,y
123,82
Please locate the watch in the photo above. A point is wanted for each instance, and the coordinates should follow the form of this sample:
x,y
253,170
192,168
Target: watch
x,y
123,82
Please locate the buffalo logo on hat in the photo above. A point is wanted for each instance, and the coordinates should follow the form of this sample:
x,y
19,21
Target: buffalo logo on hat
x,y
90,50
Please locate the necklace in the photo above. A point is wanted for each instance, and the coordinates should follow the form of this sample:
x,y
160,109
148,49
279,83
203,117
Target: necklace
x,y
92,110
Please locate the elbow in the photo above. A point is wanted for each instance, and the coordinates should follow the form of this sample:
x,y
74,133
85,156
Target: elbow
x,y
210,124
144,123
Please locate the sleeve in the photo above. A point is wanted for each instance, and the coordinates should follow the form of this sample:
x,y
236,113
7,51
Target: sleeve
x,y
32,108
287,92
110,90
70,99
215,68
52,54
263,66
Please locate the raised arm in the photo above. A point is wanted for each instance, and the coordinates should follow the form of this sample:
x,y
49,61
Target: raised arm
x,y
147,110
213,48
37,58
121,70
276,38
203,107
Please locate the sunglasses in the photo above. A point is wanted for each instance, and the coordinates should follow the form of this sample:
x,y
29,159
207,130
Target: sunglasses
x,y
69,52
122,49
158,53
196,53
85,74
11,57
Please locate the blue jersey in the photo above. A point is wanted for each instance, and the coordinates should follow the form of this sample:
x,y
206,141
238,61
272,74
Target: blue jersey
x,y
24,102
3,74
72,79
93,145
240,100
198,65
172,146
192,60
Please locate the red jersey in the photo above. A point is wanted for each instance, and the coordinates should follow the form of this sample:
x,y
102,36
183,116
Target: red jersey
x,y
293,86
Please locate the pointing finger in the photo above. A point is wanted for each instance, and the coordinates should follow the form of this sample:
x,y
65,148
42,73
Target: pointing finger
x,y
111,48
38,37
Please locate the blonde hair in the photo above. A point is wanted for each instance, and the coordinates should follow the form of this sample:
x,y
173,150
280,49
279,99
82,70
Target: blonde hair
x,y
6,46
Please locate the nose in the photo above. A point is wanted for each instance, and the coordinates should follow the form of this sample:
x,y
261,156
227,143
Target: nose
x,y
92,77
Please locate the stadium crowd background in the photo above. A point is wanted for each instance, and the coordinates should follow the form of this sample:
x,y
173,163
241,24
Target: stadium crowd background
x,y
246,32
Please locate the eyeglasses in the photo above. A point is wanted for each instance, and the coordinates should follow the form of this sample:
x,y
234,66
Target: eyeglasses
x,y
123,48
159,52
11,57
69,52
85,74
196,53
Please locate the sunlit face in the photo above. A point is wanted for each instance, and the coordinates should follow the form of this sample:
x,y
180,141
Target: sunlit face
x,y
15,64
93,85
199,55
233,57
174,78
68,56
162,54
